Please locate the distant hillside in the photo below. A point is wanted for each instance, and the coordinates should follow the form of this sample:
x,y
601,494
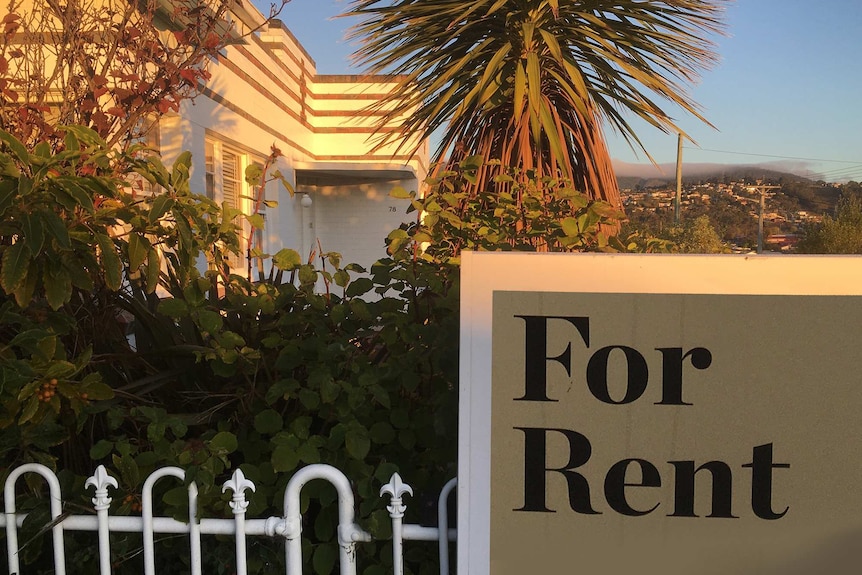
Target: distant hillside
x,y
638,176
813,197
799,193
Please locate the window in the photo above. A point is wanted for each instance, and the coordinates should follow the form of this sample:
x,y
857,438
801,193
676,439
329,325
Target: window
x,y
209,168
224,180
231,179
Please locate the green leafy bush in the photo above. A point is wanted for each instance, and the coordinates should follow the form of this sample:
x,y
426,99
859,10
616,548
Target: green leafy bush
x,y
267,376
225,372
518,211
840,233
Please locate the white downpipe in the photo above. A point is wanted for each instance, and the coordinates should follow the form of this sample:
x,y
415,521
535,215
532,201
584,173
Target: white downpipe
x,y
306,219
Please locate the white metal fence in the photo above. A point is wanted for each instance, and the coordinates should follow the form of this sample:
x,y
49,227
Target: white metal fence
x,y
288,527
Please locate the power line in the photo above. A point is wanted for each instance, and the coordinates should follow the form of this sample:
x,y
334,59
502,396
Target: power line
x,y
772,156
844,169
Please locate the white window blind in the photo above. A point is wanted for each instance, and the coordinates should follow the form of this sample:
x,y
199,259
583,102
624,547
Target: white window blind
x,y
231,178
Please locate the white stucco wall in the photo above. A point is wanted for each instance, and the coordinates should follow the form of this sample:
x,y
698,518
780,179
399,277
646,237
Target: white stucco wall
x,y
266,93
354,220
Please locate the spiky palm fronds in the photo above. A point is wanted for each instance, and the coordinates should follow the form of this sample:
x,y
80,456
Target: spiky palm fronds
x,y
530,82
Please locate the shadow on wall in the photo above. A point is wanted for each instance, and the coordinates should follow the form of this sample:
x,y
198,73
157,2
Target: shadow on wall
x,y
353,219
377,192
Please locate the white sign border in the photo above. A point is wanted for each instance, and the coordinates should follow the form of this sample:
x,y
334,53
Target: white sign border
x,y
483,273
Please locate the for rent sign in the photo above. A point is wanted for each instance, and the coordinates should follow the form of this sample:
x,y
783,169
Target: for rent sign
x,y
646,431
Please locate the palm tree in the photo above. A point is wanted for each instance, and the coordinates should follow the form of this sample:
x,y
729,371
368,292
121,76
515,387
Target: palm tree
x,y
531,82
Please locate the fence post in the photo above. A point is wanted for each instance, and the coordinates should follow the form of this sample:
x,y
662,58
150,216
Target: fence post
x,y
100,480
443,524
56,498
147,530
396,488
194,530
238,484
290,526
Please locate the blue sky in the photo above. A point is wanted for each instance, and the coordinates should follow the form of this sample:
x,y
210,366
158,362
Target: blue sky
x,y
788,87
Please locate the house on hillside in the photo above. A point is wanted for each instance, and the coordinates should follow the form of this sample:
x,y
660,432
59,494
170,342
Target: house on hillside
x,y
265,92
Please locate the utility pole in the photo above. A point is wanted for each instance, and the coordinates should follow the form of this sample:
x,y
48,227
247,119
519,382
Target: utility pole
x,y
677,201
762,189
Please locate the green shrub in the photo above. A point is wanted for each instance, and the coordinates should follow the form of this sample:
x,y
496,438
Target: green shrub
x,y
267,375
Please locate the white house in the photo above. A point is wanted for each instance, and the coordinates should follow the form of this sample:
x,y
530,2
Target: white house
x,y
265,92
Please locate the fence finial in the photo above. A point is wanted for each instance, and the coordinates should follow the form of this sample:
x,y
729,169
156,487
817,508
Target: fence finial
x,y
101,480
238,484
396,488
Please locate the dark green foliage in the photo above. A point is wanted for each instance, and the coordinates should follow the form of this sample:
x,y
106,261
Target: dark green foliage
x,y
694,236
267,376
838,234
815,197
224,373
518,211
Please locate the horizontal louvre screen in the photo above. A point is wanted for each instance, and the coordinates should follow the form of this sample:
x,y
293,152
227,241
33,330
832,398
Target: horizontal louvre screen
x,y
231,178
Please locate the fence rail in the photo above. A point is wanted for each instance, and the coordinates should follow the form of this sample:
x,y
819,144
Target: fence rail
x,y
287,527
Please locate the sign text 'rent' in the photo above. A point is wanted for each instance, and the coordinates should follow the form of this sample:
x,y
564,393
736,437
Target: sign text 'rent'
x,y
687,474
